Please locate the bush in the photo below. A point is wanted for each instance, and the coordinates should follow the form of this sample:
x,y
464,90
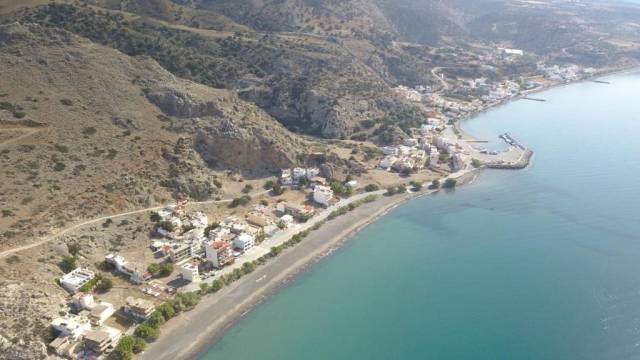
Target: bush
x,y
371,188
73,249
435,184
269,185
167,225
155,217
166,310
277,189
155,320
148,333
450,183
241,201
58,166
68,263
105,284
417,186
247,189
89,131
66,102
124,349
165,270
476,163
138,344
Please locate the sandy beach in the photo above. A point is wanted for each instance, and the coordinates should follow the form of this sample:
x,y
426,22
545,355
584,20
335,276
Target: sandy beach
x,y
189,334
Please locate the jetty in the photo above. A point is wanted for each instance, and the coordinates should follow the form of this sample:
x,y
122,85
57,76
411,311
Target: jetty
x,y
521,163
600,82
534,99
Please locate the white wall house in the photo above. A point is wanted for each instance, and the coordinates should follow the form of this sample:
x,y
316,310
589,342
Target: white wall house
x,y
71,325
74,280
190,272
244,242
322,195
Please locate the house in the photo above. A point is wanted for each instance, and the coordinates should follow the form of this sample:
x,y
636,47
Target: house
x,y
139,309
405,164
63,346
299,173
322,195
285,177
219,253
180,253
411,142
189,272
434,157
100,313
197,220
390,150
73,326
312,173
244,242
82,301
298,211
76,279
287,219
136,275
388,162
102,340
458,162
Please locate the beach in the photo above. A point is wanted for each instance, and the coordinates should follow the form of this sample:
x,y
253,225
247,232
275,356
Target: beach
x,y
189,334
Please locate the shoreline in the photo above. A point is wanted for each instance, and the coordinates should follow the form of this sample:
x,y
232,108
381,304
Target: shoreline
x,y
191,334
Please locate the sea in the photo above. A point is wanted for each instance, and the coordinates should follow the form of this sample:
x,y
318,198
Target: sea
x,y
542,263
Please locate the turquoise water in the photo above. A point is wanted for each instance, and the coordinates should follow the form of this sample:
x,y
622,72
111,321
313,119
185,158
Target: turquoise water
x,y
536,264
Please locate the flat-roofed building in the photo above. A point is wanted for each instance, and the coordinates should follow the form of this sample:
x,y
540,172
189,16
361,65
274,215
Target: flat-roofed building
x,y
139,309
219,253
190,272
100,313
103,339
71,325
76,279
244,242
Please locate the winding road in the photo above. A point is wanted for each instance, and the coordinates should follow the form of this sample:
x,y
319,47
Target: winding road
x,y
76,226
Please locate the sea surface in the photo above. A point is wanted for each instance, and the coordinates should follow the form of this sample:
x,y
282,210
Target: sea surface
x,y
542,263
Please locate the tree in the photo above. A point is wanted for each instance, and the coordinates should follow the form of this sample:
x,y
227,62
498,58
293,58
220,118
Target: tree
x,y
248,267
247,188
391,190
417,186
435,184
450,183
155,217
73,249
166,310
216,285
476,163
68,263
303,181
147,332
277,189
156,319
401,189
165,270
124,349
167,225
154,269
371,188
204,288
270,184
138,344
105,284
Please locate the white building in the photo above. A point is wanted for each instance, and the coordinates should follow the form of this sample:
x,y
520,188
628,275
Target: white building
x,y
390,150
74,280
352,184
285,177
123,266
190,272
322,195
388,162
82,301
244,242
411,142
434,157
287,219
101,312
312,172
71,325
299,173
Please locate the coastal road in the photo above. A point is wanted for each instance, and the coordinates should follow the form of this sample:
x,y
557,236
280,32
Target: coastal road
x,y
79,225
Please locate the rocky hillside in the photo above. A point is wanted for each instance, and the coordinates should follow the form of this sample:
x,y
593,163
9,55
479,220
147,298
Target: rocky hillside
x,y
101,131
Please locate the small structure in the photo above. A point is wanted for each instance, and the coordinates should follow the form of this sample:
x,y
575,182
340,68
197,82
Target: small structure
x,y
62,346
388,162
100,313
190,272
139,309
352,184
287,219
73,326
76,279
102,340
244,242
82,301
322,195
297,211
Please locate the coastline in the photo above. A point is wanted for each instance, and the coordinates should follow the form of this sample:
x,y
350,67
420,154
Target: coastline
x,y
189,335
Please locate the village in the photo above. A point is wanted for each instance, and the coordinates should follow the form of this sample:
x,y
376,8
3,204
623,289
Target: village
x,y
191,252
